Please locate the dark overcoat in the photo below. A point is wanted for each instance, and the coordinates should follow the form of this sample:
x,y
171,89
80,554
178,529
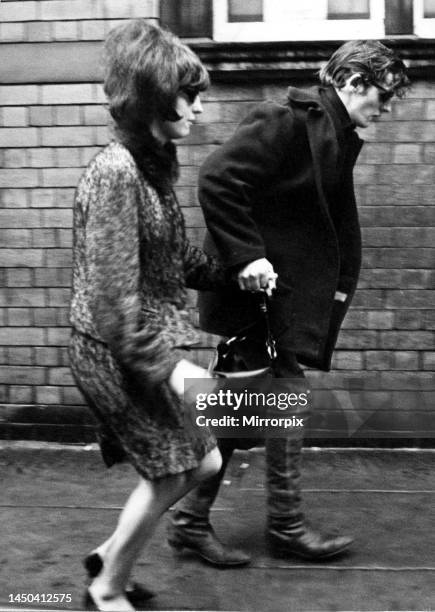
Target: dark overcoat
x,y
268,192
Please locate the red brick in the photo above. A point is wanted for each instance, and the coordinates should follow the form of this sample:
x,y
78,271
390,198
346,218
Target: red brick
x,y
52,198
73,397
65,30
53,277
22,297
58,336
65,237
406,360
381,319
21,336
365,175
68,136
193,217
67,115
60,177
41,115
378,360
45,355
354,340
347,360
38,31
15,158
18,95
59,297
407,154
103,135
44,238
408,110
21,257
57,218
62,316
407,319
14,116
45,317
368,298
22,375
41,157
12,32
60,376
13,198
19,317
376,153
410,298
20,355
83,93
15,238
68,157
406,340
356,319
398,195
429,360
92,29
398,258
18,177
21,394
48,395
19,277
19,11
112,9
58,258
95,115
429,319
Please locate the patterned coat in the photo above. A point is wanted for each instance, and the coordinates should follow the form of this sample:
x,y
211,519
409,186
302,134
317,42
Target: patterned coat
x,y
132,264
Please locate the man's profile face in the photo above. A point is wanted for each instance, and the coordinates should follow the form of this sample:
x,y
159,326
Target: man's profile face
x,y
366,103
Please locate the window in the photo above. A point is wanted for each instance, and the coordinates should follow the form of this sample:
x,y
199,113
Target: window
x,y
240,10
429,8
284,20
348,9
424,18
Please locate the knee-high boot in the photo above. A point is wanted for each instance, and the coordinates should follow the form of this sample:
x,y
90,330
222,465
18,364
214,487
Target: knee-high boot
x,y
288,532
190,529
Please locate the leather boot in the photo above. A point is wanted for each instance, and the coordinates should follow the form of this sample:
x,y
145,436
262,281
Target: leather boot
x,y
298,539
288,533
198,537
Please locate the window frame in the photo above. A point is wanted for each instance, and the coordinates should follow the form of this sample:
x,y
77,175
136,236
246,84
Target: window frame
x,y
328,29
424,27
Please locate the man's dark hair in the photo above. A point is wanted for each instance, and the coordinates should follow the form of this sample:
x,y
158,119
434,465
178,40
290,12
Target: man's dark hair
x,y
369,58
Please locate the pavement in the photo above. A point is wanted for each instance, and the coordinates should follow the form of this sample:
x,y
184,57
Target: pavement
x,y
59,502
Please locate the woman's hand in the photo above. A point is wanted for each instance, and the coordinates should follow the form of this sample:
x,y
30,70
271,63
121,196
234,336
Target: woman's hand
x,y
185,369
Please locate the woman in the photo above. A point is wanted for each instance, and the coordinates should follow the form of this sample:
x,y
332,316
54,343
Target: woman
x,y
132,264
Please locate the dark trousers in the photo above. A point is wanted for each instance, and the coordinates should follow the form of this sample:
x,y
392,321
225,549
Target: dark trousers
x,y
283,465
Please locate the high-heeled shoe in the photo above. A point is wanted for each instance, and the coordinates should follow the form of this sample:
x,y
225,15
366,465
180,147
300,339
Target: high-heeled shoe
x,y
88,601
136,593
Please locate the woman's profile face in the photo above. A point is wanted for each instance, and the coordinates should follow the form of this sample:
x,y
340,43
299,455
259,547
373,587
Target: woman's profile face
x,y
187,109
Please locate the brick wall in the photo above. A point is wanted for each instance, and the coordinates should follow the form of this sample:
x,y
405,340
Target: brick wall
x,y
49,131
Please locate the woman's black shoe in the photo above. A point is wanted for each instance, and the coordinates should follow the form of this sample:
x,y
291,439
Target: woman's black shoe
x,y
135,593
88,602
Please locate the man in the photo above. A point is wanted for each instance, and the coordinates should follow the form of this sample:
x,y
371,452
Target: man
x,y
278,199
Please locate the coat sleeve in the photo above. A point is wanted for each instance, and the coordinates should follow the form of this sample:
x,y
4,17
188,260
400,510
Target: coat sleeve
x,y
112,245
203,272
233,176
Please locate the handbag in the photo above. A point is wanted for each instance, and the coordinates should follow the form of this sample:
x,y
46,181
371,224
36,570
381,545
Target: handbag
x,y
248,354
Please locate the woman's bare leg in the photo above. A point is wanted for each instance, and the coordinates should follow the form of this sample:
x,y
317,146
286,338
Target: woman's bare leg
x,y
136,524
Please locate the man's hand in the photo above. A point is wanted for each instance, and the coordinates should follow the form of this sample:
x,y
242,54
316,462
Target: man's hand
x,y
258,275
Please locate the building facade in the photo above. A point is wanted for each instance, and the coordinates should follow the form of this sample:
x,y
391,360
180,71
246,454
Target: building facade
x,y
53,120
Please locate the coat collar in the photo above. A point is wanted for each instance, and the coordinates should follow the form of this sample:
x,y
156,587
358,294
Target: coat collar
x,y
322,136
